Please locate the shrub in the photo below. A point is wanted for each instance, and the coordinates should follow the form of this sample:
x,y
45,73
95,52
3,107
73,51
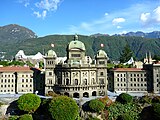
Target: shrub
x,y
156,111
125,116
96,105
26,117
124,98
14,117
156,99
63,108
29,102
117,109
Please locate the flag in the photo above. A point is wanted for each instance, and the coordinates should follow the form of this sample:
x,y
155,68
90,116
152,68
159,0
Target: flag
x,y
52,45
102,45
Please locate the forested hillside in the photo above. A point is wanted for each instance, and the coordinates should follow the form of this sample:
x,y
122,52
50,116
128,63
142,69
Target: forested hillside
x,y
113,45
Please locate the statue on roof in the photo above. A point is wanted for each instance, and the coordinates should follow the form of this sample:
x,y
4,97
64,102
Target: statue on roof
x,y
76,37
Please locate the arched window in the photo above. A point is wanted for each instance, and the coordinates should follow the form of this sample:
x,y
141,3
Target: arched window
x,y
85,82
93,81
76,81
67,81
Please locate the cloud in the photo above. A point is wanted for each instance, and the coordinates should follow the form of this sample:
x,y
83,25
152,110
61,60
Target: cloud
x,y
106,14
49,5
118,20
118,27
131,18
40,15
26,3
41,8
145,17
156,14
151,18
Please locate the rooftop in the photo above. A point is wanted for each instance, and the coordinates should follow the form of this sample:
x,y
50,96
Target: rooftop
x,y
127,69
14,69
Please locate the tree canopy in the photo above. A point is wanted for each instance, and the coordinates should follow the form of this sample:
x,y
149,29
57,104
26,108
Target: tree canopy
x,y
126,54
96,105
63,108
29,102
124,98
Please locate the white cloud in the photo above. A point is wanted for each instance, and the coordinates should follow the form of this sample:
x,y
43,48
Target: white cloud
x,y
40,15
156,14
106,14
151,18
118,20
26,3
118,27
145,17
49,5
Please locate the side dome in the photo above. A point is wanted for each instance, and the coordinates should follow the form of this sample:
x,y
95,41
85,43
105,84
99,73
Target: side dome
x,y
101,54
51,53
75,44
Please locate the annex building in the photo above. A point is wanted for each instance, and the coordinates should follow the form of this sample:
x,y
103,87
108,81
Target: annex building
x,y
136,80
79,75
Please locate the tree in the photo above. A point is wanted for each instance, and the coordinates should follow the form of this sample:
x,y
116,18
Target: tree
x,y
26,117
156,111
124,98
126,54
63,108
96,105
29,102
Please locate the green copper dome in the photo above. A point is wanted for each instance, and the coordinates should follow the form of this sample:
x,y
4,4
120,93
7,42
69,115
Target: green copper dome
x,y
75,44
51,53
101,53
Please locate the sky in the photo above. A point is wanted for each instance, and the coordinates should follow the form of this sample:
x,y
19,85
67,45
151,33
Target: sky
x,y
85,17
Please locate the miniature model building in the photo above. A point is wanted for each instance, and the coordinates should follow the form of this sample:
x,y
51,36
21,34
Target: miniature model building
x,y
77,76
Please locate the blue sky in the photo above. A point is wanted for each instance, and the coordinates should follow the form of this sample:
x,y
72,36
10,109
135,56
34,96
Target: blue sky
x,y
46,17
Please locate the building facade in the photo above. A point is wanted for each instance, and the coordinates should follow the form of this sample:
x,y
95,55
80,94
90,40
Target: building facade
x,y
78,76
17,80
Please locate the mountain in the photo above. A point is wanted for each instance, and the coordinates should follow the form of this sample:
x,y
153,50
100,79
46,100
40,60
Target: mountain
x,y
15,33
14,38
154,34
113,45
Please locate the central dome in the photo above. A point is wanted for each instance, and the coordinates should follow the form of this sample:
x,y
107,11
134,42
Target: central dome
x,y
75,44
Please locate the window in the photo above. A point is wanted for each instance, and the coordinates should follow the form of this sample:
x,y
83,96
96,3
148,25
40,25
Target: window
x,y
26,80
67,81
75,55
101,81
50,73
101,62
22,80
117,79
101,73
76,82
30,80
